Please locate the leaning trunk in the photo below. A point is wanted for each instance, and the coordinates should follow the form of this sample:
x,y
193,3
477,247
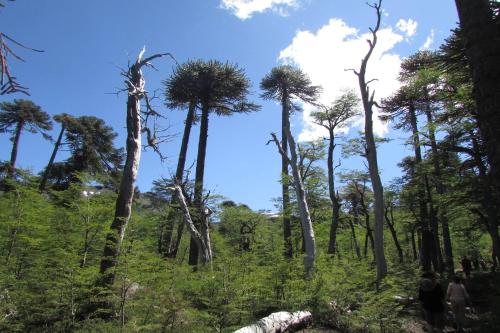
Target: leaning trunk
x,y
198,183
46,173
305,217
333,197
126,191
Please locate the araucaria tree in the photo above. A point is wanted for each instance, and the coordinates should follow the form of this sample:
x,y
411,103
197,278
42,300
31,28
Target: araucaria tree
x,y
136,92
367,98
22,115
220,88
177,96
63,119
331,118
285,83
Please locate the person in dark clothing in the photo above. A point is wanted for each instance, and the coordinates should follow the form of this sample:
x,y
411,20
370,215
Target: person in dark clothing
x,y
431,296
466,266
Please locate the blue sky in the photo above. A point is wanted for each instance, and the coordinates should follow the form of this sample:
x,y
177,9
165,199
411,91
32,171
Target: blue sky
x,y
86,42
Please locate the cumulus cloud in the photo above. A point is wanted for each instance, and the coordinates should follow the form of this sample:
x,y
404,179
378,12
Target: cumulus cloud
x,y
326,54
408,27
244,9
428,42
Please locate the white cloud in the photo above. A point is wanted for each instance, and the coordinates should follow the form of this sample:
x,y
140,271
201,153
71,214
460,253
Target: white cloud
x,y
326,54
244,9
408,27
428,42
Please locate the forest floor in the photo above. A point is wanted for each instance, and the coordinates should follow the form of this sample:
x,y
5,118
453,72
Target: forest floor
x,y
483,317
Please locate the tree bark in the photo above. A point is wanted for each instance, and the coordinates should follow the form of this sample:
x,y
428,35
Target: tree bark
x,y
279,322
355,240
15,145
427,245
440,189
371,151
390,223
305,217
287,227
201,238
46,173
123,206
170,250
481,40
332,243
198,183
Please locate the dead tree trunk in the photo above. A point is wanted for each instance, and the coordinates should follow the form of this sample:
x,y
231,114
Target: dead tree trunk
x,y
201,238
371,151
135,85
305,217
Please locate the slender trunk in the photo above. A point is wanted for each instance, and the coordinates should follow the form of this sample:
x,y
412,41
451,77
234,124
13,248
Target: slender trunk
x,y
305,217
355,240
123,207
198,182
440,189
390,224
371,151
169,249
15,145
287,227
46,173
414,243
333,197
427,245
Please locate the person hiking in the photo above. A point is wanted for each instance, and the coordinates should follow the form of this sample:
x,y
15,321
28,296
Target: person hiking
x,y
458,297
466,266
431,296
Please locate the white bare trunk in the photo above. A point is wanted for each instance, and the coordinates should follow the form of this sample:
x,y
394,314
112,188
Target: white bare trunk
x,y
202,238
305,216
278,322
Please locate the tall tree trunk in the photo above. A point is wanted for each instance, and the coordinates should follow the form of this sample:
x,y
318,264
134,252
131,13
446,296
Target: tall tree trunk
x,y
198,182
123,206
481,40
332,243
427,250
305,217
287,227
440,189
126,191
46,173
15,145
169,249
371,151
